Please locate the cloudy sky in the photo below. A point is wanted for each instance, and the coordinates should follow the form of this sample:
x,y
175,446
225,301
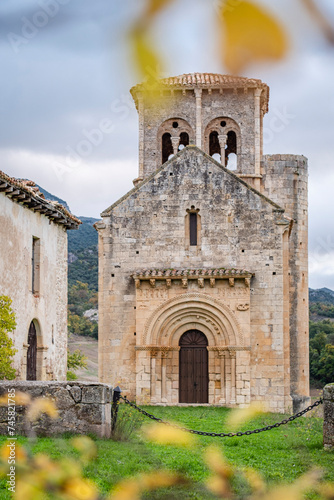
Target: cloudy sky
x,y
66,68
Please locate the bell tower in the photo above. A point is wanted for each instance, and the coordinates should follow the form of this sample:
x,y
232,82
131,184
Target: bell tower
x,y
220,114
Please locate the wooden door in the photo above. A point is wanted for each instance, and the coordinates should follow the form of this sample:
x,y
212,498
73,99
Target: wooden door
x,y
32,353
193,368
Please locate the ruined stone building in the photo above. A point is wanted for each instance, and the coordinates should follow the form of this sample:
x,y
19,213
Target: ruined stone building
x,y
33,273
203,280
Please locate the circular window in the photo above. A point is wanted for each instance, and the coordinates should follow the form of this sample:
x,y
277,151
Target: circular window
x,y
223,124
175,124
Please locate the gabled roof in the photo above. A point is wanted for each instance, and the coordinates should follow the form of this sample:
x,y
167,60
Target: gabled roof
x,y
207,81
26,193
185,151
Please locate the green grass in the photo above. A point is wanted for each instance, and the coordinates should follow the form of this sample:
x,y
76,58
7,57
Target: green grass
x,y
281,454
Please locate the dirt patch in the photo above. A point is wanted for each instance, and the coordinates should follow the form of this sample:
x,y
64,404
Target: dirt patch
x,y
88,346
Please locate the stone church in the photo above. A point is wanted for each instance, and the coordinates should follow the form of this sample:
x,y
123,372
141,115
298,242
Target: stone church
x,y
203,266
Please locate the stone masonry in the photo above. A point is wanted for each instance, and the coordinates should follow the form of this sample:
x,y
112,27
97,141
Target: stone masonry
x,y
197,247
83,408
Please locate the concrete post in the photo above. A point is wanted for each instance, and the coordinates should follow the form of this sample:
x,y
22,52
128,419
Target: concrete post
x,y
329,416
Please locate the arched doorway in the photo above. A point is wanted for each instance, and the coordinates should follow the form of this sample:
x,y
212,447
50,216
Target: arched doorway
x,y
32,353
193,368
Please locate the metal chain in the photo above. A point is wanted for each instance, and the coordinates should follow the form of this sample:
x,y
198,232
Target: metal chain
x,y
223,434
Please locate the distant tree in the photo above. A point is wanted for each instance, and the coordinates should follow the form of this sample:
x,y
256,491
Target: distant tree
x,y
321,352
74,361
7,350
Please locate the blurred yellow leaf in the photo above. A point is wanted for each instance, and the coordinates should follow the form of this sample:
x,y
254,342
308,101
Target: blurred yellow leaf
x,y
28,491
20,398
219,484
241,415
81,489
155,6
39,406
296,490
255,480
217,463
10,448
250,34
165,434
145,58
326,490
85,446
131,489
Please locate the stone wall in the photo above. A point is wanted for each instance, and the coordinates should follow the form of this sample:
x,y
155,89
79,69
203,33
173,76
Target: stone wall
x,y
83,407
329,416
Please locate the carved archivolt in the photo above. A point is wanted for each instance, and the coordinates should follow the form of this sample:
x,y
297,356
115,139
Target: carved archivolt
x,y
192,311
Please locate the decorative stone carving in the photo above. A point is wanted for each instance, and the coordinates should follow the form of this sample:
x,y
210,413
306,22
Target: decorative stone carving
x,y
247,282
184,283
231,281
168,282
212,282
152,282
201,282
137,283
243,307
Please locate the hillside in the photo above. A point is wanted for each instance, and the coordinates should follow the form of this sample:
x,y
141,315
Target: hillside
x,y
321,304
83,254
52,197
324,295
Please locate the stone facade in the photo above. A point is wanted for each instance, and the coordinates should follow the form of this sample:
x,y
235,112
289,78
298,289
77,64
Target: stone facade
x,y
198,247
83,408
33,273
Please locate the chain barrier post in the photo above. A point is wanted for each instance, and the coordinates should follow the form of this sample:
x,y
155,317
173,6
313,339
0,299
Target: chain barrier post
x,y
223,434
114,408
329,417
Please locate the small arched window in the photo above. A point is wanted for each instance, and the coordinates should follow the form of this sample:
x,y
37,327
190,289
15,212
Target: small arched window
x,y
231,150
193,227
184,140
167,147
214,147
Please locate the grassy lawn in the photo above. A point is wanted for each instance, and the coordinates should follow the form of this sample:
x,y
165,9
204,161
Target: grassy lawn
x,y
281,454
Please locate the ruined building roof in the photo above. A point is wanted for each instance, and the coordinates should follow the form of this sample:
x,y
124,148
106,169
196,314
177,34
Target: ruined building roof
x,y
28,194
207,81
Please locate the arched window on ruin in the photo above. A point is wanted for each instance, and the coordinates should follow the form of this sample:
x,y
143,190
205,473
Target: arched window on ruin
x,y
214,147
231,159
167,147
184,140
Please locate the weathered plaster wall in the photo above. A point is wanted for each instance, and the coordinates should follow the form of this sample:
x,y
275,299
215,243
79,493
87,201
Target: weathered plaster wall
x,y
83,408
48,307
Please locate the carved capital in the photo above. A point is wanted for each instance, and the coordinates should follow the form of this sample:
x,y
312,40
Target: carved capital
x,y
222,140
